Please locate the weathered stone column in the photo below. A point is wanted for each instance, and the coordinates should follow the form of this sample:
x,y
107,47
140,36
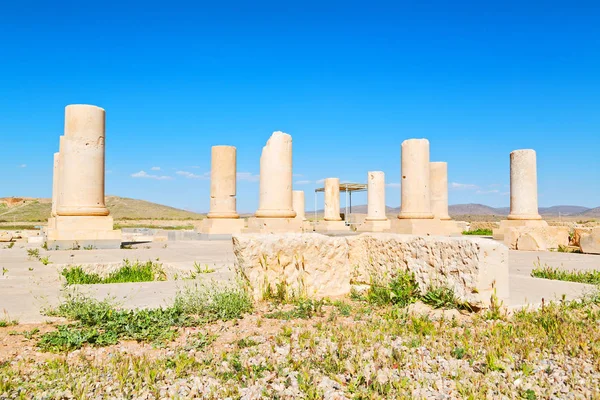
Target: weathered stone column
x,y
376,220
523,186
299,206
223,182
416,198
439,190
55,171
276,178
376,196
82,175
332,200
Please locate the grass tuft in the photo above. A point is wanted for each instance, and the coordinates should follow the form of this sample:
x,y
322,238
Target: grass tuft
x,y
130,272
479,232
547,272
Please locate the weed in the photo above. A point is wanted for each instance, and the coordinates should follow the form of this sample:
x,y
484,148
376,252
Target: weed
x,y
199,270
200,341
304,309
246,342
129,272
10,245
45,245
443,297
402,291
547,272
214,302
45,260
33,253
8,322
458,353
479,232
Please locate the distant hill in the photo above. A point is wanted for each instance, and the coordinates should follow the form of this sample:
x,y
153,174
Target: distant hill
x,y
591,213
475,209
38,210
562,210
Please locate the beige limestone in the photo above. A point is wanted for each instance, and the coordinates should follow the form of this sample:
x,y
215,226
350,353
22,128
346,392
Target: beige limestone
x,y
590,242
416,226
376,220
273,225
523,186
223,182
536,238
331,226
332,200
415,190
6,236
439,190
500,233
276,200
222,218
320,266
299,205
82,172
55,171
577,233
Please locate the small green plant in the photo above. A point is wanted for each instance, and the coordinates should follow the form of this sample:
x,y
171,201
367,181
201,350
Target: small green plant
x,y
212,303
45,246
8,322
200,341
126,246
45,260
129,272
402,291
479,232
89,247
584,276
10,245
199,270
458,353
4,271
304,309
33,253
443,297
246,342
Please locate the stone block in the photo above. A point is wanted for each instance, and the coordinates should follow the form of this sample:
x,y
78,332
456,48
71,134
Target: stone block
x,y
425,227
536,238
221,226
322,266
80,231
590,242
273,225
331,226
577,233
517,223
6,236
375,226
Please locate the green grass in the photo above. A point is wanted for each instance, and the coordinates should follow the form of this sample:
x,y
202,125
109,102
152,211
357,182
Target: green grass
x,y
150,226
101,323
129,272
8,322
304,309
480,232
17,227
547,272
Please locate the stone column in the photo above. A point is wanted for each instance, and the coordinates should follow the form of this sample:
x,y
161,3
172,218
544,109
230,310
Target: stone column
x,y
439,190
276,178
416,198
223,182
376,196
55,171
523,186
299,206
82,177
332,199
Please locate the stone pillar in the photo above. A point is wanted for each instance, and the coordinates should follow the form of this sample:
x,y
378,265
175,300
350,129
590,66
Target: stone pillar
x,y
55,171
376,220
523,186
276,178
80,217
376,196
524,215
299,206
332,200
82,177
439,190
275,212
415,215
415,193
222,218
223,182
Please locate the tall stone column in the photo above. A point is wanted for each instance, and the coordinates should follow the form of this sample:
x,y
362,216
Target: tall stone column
x,y
376,196
55,171
524,214
80,217
276,178
332,199
82,177
523,186
222,218
439,190
223,182
376,220
415,192
299,206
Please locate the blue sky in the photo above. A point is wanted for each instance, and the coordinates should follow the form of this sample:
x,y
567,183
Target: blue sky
x,y
348,80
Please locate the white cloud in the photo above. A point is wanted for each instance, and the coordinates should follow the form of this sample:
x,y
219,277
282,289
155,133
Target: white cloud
x,y
23,166
248,177
463,186
320,181
393,184
191,175
487,191
155,168
145,175
303,182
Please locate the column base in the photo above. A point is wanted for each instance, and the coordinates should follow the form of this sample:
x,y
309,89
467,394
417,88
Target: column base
x,y
451,228
221,226
517,223
331,226
273,225
375,226
75,232
423,227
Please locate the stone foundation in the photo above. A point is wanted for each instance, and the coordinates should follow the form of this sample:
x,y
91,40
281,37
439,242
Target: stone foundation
x,y
375,226
536,238
221,226
316,265
273,225
424,227
67,232
331,226
517,223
